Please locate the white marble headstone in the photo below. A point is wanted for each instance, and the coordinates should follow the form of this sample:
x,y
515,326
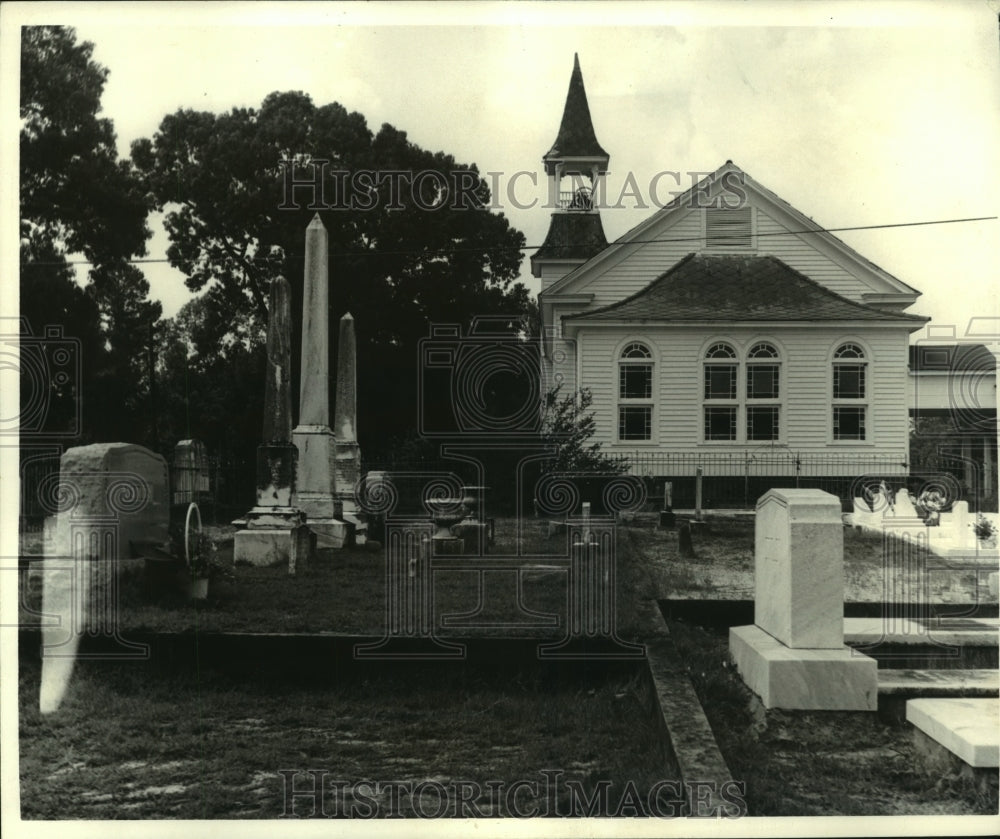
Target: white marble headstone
x,y
799,568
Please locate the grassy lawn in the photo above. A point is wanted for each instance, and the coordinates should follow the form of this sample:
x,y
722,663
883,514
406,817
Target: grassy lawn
x,y
814,763
188,743
344,591
723,567
203,745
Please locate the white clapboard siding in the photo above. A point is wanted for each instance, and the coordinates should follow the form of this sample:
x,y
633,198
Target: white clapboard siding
x,y
806,385
637,265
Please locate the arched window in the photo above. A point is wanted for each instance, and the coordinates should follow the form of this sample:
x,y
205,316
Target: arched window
x,y
741,405
635,393
720,395
763,410
850,393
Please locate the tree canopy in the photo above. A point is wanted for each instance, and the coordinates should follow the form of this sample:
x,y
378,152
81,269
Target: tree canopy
x,y
403,252
74,189
77,197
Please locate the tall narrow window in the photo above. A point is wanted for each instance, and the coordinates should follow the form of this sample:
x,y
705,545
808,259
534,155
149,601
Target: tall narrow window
x,y
635,393
849,393
763,416
721,403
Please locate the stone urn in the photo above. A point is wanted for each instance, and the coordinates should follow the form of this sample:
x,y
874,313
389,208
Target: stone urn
x,y
446,513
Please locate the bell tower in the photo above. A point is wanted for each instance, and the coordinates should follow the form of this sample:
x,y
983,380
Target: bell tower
x,y
575,166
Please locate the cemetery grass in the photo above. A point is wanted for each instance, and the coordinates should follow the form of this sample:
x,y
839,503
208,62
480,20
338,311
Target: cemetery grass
x,y
141,741
343,592
723,565
815,763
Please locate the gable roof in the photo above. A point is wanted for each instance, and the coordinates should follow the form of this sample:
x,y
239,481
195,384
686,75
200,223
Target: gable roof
x,y
741,288
576,136
694,197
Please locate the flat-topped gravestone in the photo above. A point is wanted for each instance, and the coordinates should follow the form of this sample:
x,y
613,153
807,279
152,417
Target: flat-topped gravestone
x,y
794,656
120,484
799,568
111,501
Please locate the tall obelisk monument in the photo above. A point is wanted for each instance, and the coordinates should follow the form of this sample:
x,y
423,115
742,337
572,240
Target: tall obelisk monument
x,y
348,453
315,488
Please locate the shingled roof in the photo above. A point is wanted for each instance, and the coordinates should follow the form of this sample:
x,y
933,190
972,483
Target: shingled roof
x,y
573,236
576,136
740,288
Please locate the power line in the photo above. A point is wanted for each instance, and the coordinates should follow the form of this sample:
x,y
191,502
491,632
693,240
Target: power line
x,y
668,239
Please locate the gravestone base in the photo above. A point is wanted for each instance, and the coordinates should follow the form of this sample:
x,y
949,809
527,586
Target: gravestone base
x,y
668,519
803,679
357,524
474,533
332,533
268,536
262,548
447,547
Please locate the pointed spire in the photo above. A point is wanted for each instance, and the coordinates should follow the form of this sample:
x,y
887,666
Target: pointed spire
x,y
576,136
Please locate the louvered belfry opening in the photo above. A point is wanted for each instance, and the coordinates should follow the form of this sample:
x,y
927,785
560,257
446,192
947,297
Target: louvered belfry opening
x,y
728,229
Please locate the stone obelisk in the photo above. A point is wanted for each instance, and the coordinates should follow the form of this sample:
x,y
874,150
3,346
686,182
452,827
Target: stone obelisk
x,y
348,453
313,437
274,530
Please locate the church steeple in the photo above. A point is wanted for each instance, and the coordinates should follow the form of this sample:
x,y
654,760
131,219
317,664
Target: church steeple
x,y
576,139
575,231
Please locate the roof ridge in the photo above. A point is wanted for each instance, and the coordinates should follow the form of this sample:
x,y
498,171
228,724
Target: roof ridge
x,y
635,295
831,293
663,278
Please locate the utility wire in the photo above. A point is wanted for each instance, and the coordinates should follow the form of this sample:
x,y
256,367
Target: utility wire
x,y
436,251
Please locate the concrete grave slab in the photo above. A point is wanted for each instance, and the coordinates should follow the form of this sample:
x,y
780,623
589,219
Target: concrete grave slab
x,y
968,727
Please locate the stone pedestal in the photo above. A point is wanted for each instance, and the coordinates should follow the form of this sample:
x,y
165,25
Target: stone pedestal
x,y
794,656
271,528
317,460
801,679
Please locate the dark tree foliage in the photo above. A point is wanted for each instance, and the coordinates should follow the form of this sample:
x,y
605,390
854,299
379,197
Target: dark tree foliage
x,y
399,260
77,197
73,186
568,425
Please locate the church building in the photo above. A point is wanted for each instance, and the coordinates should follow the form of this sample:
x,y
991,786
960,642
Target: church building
x,y
727,326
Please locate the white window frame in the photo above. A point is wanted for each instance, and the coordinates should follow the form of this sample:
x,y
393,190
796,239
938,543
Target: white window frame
x,y
742,402
763,401
861,358
719,402
649,402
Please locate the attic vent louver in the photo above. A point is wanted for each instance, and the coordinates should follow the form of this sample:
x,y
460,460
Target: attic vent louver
x,y
728,230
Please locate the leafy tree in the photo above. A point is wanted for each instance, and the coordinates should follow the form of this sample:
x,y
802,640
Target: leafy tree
x,y
73,186
128,323
77,197
568,424
236,220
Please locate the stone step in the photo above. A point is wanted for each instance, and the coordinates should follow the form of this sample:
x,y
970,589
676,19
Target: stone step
x,y
968,728
938,683
958,632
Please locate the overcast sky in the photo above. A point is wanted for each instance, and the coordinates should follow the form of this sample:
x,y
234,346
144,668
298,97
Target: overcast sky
x,y
867,114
